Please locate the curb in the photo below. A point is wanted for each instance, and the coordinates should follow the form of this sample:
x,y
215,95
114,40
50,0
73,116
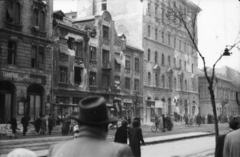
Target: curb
x,y
177,139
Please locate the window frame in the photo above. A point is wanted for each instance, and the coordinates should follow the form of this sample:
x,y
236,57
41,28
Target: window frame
x,y
91,79
127,83
12,53
136,84
105,31
137,63
65,74
93,53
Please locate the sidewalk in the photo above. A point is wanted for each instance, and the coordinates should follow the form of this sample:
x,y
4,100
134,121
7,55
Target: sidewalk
x,y
148,140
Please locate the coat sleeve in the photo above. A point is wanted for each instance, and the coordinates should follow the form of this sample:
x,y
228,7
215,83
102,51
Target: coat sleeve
x,y
141,137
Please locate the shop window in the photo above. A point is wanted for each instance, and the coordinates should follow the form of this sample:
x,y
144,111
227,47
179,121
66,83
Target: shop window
x,y
12,52
105,32
13,12
105,58
78,75
136,84
105,80
34,57
127,62
104,5
63,74
70,43
92,78
93,53
127,83
137,67
79,49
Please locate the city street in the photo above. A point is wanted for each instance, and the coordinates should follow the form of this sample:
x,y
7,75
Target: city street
x,y
198,147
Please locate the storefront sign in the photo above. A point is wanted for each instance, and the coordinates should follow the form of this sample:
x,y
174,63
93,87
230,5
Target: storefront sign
x,y
127,100
31,78
158,104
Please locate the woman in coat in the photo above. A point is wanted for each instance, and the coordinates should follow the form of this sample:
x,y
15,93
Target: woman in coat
x,y
43,125
37,124
135,137
13,123
122,133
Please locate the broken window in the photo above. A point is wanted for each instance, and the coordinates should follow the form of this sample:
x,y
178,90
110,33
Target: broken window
x,y
105,80
105,32
63,74
13,12
127,83
77,75
79,49
70,43
34,57
42,21
93,54
12,52
35,17
92,78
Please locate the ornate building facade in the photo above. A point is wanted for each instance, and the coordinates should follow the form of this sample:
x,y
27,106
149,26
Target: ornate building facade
x,y
170,63
25,58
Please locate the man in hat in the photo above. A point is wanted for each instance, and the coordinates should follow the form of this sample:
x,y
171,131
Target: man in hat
x,y
93,121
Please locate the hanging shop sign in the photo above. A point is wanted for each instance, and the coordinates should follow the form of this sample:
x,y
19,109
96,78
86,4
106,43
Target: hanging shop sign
x,y
30,78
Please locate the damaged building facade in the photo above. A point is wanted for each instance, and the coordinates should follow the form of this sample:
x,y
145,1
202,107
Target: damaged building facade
x,y
114,68
170,62
25,58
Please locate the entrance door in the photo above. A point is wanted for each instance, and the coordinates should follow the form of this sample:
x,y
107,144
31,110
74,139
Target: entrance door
x,y
34,106
5,107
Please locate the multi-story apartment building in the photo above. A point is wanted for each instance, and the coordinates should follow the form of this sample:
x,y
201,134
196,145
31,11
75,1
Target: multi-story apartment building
x,y
170,63
70,64
25,58
225,95
114,69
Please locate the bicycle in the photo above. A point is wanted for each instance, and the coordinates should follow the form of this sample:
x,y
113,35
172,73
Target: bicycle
x,y
156,126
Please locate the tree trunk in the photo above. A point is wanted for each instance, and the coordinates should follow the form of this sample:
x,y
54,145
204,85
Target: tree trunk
x,y
214,112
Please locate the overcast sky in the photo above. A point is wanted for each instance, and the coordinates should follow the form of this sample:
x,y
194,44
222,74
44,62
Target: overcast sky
x,y
219,25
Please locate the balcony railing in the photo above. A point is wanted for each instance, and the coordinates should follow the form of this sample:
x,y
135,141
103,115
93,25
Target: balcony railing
x,y
37,32
78,60
13,26
93,63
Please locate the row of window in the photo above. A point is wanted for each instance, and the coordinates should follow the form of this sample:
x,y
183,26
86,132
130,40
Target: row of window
x,y
169,61
168,84
79,75
172,41
14,12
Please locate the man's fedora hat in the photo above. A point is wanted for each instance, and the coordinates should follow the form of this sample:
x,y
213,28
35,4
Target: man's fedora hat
x,y
93,111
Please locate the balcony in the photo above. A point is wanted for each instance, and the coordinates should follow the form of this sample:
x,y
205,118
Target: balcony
x,y
13,26
92,63
35,31
78,60
63,57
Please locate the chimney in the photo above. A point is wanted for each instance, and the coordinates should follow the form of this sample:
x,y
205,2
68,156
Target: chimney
x,y
84,8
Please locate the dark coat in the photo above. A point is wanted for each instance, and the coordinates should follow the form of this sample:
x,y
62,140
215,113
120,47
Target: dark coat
x,y
220,146
135,137
25,121
121,135
199,119
50,122
37,124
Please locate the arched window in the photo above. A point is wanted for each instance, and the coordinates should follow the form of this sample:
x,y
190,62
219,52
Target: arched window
x,y
156,80
186,85
163,59
149,78
185,65
169,61
17,13
174,62
42,21
149,54
163,81
175,83
180,64
156,57
35,17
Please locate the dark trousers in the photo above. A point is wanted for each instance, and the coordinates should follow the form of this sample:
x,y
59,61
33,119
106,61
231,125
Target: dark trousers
x,y
24,130
14,128
50,130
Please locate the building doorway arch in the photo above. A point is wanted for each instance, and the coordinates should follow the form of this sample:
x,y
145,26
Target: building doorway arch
x,y
7,96
34,106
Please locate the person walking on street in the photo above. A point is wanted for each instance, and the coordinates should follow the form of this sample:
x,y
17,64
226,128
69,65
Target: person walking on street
x,y
66,125
93,120
37,124
121,134
135,137
13,123
25,122
164,121
129,120
43,125
138,119
199,119
50,124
